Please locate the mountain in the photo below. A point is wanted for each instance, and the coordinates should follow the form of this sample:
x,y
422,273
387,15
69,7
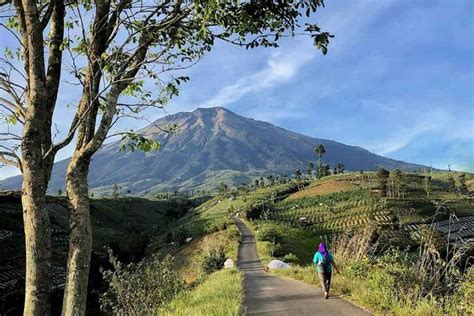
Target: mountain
x,y
212,145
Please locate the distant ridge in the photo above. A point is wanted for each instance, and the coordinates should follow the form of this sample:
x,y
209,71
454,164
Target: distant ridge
x,y
211,146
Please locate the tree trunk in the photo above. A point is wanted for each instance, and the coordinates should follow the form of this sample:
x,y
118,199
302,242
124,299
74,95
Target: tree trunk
x,y
36,171
37,243
80,237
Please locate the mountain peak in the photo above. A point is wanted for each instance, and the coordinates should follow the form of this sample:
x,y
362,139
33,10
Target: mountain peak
x,y
213,145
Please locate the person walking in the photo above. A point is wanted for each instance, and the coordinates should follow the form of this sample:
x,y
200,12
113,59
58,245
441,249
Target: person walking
x,y
324,262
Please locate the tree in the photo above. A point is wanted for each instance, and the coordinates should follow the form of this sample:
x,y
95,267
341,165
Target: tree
x,y
340,167
110,59
223,188
320,150
271,180
28,96
297,174
310,169
327,170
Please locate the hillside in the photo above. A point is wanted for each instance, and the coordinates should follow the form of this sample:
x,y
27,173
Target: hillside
x,y
383,244
124,224
213,145
341,203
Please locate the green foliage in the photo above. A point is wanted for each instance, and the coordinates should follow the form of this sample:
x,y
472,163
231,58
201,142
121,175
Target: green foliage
x,y
142,288
180,234
356,268
381,283
213,258
270,233
291,258
259,210
321,170
132,141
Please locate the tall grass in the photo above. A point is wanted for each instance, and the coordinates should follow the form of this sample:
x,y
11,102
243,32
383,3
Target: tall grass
x,y
398,282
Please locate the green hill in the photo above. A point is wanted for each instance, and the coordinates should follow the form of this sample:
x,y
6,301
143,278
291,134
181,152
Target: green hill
x,y
290,219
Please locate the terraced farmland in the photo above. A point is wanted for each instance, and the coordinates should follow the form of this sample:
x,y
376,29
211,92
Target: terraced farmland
x,y
347,202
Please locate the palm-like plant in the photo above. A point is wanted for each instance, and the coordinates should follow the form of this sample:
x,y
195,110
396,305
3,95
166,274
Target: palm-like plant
x,y
320,150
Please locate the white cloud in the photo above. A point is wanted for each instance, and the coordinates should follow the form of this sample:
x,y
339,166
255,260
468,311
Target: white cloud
x,y
281,67
296,53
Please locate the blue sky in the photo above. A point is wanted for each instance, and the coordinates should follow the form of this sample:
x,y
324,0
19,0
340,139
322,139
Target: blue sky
x,y
398,80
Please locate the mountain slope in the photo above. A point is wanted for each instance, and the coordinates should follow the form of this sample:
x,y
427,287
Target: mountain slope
x,y
212,145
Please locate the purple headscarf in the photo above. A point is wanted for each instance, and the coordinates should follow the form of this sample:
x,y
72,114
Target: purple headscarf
x,y
323,250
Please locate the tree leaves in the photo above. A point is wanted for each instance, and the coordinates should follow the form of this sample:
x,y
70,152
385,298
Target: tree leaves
x,y
133,141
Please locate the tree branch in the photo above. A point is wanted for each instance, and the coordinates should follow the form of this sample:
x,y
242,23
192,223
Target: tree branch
x,y
15,163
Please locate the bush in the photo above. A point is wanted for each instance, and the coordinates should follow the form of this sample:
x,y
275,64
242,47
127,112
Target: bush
x,y
357,268
233,233
213,258
140,289
180,234
269,233
291,258
381,285
259,210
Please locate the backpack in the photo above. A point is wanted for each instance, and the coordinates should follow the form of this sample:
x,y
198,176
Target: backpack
x,y
324,263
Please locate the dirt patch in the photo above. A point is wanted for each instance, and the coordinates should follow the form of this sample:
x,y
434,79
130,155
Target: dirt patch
x,y
326,187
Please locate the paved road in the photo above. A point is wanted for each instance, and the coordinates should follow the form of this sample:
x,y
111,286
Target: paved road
x,y
266,294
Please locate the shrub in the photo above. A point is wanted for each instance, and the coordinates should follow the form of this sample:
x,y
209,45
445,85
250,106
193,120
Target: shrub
x,y
233,233
216,225
381,285
141,288
357,268
180,234
259,210
270,233
291,258
213,258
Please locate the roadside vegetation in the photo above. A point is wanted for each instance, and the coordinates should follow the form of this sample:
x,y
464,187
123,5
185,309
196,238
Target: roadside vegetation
x,y
182,273
391,260
380,228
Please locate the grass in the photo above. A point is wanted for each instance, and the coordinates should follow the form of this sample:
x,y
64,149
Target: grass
x,y
220,294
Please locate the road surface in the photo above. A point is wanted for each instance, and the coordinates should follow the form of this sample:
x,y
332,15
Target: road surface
x,y
266,294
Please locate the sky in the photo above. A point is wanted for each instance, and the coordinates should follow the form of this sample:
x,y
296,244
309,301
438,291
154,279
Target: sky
x,y
398,80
